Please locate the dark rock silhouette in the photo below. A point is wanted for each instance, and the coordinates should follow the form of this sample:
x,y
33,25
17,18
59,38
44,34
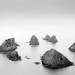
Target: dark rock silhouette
x,y
34,40
54,60
72,47
13,56
53,39
37,63
8,45
47,37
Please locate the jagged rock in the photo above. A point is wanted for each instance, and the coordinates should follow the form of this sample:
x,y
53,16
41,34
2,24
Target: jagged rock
x,y
54,60
13,56
53,39
47,37
37,63
34,40
8,45
72,47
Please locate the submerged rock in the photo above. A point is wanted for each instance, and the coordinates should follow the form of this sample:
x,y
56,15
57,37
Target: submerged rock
x,y
14,56
72,47
27,57
34,40
47,37
53,39
8,45
37,63
54,60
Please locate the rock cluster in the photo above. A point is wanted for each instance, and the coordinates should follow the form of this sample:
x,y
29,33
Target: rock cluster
x,y
54,60
72,47
8,48
34,40
52,39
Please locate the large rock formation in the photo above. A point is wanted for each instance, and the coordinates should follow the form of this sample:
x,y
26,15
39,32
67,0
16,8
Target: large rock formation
x,y
72,47
54,60
34,40
47,37
53,39
13,56
8,45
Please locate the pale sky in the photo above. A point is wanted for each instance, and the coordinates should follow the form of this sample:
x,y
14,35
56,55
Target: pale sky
x,y
19,16
62,7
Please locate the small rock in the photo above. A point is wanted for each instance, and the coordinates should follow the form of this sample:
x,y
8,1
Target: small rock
x,y
34,40
37,63
54,60
27,57
47,37
72,47
53,39
14,56
27,42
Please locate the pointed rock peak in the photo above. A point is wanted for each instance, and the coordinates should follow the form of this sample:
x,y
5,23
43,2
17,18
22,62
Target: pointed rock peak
x,y
74,43
53,39
54,60
34,40
33,37
72,47
47,37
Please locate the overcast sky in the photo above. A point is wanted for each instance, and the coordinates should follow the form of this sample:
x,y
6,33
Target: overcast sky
x,y
38,6
27,14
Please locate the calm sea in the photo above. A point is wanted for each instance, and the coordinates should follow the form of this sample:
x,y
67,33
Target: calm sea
x,y
65,35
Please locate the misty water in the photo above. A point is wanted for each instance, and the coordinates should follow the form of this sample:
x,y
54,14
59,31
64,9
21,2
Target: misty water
x,y
65,36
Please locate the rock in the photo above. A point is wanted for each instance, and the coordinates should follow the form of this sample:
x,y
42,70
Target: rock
x,y
13,56
34,40
37,63
8,45
27,57
72,47
53,39
54,60
47,37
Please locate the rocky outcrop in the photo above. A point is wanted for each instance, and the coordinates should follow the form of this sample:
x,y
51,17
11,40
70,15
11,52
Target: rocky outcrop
x,y
47,37
8,45
34,40
72,47
54,60
53,39
14,56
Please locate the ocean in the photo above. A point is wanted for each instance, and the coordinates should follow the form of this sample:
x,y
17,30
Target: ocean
x,y
22,30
